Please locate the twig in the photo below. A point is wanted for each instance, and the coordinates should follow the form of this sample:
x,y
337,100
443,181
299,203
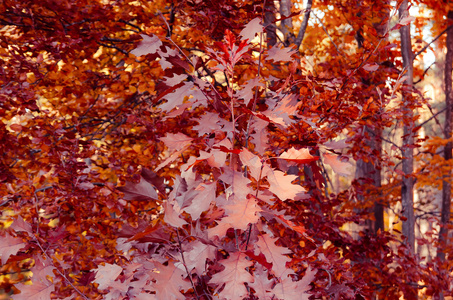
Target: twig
x,y
113,47
58,270
185,265
435,39
325,30
424,73
434,116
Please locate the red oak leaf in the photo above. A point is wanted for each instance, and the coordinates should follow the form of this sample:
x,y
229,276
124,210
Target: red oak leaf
x,y
169,282
143,190
281,186
233,277
287,289
253,162
277,53
197,256
206,193
176,141
41,286
274,254
371,67
172,213
240,214
338,166
259,136
262,284
301,156
106,275
207,123
10,246
149,44
36,291
253,28
20,225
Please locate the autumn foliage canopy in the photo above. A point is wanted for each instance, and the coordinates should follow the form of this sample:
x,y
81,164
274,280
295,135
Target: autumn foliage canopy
x,y
206,150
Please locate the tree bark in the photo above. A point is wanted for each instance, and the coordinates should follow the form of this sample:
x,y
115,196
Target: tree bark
x,y
369,172
446,183
303,26
286,26
269,23
407,190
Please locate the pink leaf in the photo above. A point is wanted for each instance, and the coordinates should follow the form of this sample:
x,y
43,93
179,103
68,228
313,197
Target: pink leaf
x,y
281,186
406,20
149,44
262,285
85,185
247,91
233,276
300,156
176,141
106,275
252,161
176,79
207,124
250,30
172,215
171,158
141,191
281,111
338,166
287,289
36,291
197,256
259,137
341,144
371,67
206,193
169,282
177,97
20,225
240,214
10,246
274,254
41,287
280,54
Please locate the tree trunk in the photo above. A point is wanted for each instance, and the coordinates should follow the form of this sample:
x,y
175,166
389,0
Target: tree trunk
x,y
269,24
286,26
446,183
303,26
407,190
369,171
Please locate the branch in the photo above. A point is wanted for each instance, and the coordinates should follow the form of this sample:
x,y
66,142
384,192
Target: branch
x,y
331,39
113,47
303,26
433,116
185,264
424,73
435,39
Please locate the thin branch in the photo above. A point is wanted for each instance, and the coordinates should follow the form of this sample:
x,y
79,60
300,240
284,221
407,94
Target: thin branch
x,y
132,25
58,270
424,73
434,116
185,265
331,39
435,39
113,47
